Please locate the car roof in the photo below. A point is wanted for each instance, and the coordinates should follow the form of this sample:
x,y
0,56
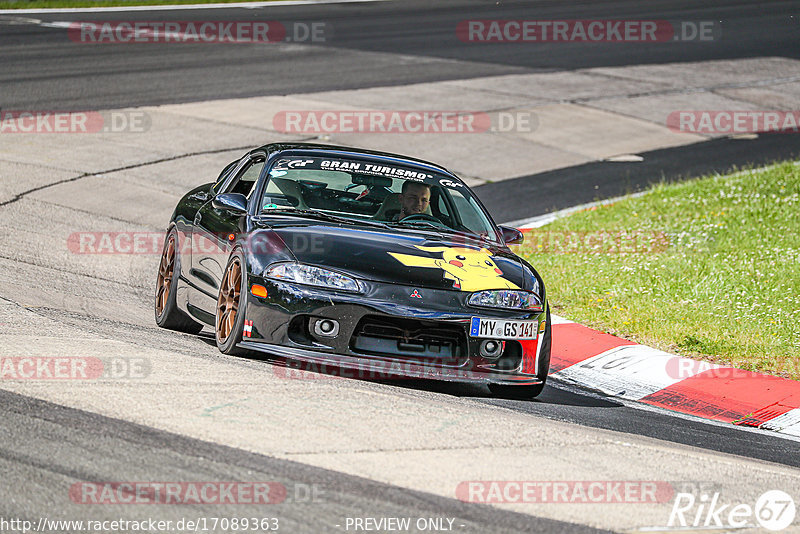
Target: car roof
x,y
343,151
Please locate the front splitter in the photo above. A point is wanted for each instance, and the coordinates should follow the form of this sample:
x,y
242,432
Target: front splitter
x,y
372,369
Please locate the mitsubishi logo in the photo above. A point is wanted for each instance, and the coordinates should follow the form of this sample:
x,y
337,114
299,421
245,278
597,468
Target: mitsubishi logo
x,y
416,295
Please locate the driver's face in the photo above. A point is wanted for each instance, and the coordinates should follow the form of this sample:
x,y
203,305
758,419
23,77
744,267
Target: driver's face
x,y
415,199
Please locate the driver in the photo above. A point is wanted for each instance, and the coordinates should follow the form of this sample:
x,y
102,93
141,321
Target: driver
x,y
414,198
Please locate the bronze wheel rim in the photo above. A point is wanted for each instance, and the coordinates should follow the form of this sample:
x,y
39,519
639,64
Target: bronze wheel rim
x,y
228,301
166,270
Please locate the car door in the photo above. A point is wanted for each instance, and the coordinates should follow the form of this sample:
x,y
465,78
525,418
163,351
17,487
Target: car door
x,y
186,211
212,229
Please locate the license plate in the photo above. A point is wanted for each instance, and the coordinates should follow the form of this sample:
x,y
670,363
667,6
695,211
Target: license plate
x,y
503,328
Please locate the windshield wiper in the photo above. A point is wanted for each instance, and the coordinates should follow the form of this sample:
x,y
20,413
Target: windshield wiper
x,y
423,223
441,229
322,215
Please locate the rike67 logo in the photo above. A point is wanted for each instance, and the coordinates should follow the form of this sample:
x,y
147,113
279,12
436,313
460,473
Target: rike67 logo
x,y
773,510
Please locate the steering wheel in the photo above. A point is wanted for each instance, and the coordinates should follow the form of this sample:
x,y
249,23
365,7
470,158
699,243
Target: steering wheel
x,y
420,217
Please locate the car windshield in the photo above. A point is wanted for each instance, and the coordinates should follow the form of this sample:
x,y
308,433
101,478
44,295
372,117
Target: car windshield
x,y
371,191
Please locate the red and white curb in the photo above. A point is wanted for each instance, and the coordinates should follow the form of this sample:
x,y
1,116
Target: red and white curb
x,y
625,369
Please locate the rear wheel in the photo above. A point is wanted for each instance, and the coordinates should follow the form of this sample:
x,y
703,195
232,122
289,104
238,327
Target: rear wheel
x,y
231,304
166,309
529,392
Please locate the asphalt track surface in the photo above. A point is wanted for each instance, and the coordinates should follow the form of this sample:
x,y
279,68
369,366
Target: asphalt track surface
x,y
32,426
44,443
564,188
41,69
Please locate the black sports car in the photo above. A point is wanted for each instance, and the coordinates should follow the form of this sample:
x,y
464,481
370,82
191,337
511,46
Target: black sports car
x,y
358,260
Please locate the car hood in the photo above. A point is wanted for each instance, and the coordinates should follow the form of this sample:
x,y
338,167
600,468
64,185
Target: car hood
x,y
418,259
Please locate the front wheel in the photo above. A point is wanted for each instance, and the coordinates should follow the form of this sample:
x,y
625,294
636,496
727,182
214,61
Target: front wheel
x,y
529,392
231,302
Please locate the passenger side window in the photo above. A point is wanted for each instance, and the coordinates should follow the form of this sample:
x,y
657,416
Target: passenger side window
x,y
440,206
246,180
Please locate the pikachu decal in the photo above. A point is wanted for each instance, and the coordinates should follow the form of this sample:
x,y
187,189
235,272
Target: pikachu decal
x,y
470,269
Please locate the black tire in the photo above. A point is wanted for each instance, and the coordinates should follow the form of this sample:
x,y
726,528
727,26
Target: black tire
x,y
165,308
529,392
516,392
544,368
228,337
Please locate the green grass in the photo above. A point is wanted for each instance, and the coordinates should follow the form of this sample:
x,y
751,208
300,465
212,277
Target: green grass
x,y
707,268
50,4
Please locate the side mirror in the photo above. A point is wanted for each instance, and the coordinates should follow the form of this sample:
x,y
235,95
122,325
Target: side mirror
x,y
236,202
512,236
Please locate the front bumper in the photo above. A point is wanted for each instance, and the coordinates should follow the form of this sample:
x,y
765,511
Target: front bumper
x,y
371,369
431,329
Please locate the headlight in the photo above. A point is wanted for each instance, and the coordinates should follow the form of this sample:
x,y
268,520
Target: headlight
x,y
505,298
312,276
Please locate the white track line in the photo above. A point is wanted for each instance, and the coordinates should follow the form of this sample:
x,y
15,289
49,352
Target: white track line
x,y
244,5
547,218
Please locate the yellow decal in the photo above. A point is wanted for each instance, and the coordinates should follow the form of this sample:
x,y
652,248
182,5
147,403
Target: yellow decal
x,y
470,269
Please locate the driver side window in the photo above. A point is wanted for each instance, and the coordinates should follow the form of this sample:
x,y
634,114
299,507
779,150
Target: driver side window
x,y
223,176
245,181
